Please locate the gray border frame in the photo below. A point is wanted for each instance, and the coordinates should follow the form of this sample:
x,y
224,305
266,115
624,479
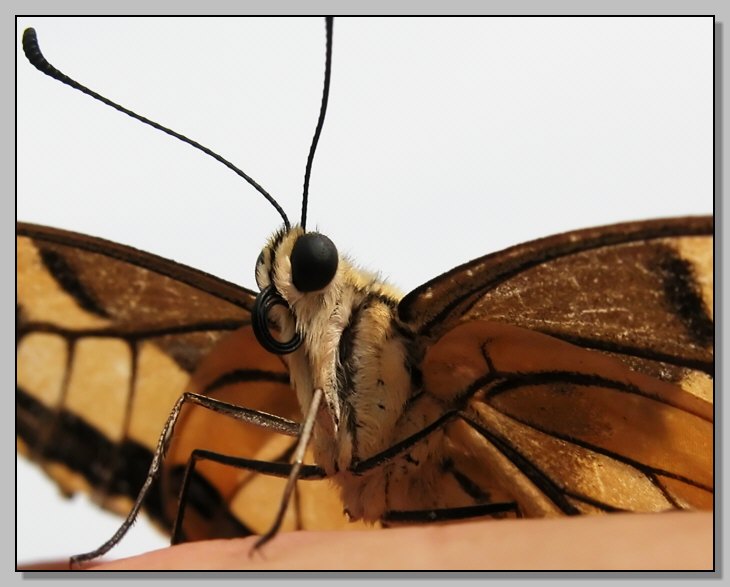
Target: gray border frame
x,y
718,8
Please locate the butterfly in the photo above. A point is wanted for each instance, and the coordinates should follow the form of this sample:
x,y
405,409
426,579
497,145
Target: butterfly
x,y
456,242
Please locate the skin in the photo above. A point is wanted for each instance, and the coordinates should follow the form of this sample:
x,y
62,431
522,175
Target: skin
x,y
671,541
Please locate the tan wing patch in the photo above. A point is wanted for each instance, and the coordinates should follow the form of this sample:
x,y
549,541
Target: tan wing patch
x,y
699,384
49,350
158,384
698,251
99,384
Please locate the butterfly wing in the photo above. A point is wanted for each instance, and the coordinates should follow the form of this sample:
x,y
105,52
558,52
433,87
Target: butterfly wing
x,y
582,364
107,340
642,291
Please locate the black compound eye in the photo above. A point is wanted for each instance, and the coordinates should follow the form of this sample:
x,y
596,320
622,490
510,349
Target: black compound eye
x,y
314,261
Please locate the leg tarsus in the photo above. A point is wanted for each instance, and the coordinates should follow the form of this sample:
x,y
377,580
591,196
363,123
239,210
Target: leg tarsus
x,y
450,514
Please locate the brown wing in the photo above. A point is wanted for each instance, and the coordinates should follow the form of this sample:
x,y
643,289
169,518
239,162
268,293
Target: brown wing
x,y
581,366
642,291
107,339
563,430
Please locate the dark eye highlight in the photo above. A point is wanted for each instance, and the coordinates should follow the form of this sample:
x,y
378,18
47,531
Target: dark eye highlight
x,y
314,262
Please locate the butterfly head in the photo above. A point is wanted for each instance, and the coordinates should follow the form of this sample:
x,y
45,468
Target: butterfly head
x,y
296,273
313,297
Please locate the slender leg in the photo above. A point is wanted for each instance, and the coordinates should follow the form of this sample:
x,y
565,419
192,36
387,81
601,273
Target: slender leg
x,y
264,467
268,421
296,468
450,514
401,447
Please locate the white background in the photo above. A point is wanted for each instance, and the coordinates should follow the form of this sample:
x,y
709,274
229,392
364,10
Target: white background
x,y
446,139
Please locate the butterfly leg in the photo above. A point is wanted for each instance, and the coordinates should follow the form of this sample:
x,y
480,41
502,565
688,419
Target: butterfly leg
x,y
304,438
275,423
264,467
401,447
450,514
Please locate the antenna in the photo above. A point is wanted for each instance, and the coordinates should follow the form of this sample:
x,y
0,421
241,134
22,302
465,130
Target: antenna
x,y
33,53
322,111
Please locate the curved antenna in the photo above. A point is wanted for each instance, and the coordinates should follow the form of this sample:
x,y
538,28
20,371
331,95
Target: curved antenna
x,y
322,111
33,53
